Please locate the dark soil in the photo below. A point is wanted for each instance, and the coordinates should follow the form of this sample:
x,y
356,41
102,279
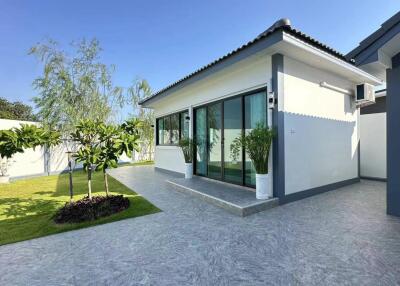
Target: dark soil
x,y
88,210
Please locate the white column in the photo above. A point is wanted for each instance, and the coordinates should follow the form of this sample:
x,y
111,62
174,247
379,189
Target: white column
x,y
191,120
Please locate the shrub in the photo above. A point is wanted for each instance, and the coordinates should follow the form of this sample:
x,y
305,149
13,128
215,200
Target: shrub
x,y
91,209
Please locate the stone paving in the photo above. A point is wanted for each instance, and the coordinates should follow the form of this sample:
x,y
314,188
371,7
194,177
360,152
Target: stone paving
x,y
341,237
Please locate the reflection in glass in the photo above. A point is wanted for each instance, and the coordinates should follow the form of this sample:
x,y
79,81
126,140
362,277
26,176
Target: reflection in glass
x,y
255,112
232,130
201,141
174,128
184,125
160,128
214,141
167,128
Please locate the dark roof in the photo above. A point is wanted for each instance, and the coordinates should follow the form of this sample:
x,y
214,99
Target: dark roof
x,y
367,42
281,25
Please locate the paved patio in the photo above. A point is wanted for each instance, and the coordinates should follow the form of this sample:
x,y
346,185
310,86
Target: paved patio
x,y
338,238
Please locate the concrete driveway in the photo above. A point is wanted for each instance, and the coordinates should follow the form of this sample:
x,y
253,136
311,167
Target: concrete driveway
x,y
341,237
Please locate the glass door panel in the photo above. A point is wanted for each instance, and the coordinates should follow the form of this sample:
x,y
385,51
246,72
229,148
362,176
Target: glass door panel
x,y
214,141
255,112
201,140
232,129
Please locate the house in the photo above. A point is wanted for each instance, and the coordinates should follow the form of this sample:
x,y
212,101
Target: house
x,y
284,79
379,54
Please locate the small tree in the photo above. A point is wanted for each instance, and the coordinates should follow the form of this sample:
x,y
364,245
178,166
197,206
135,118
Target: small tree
x,y
139,90
114,141
256,144
108,157
86,134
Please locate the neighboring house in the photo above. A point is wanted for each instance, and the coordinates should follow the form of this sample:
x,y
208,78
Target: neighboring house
x,y
373,138
379,54
313,110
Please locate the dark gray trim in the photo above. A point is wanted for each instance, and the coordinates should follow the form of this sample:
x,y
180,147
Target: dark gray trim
x,y
369,46
278,123
274,38
378,107
359,157
393,137
269,37
373,179
315,191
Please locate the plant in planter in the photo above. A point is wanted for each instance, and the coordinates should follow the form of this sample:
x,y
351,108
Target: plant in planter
x,y
187,146
257,144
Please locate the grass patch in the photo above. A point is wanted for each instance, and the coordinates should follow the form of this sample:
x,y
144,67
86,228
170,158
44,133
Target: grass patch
x,y
27,206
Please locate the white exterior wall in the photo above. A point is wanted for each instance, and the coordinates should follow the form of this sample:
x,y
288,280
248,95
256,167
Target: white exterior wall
x,y
373,145
246,75
321,132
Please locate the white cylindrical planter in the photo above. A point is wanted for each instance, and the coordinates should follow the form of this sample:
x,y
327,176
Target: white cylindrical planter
x,y
4,179
263,191
188,170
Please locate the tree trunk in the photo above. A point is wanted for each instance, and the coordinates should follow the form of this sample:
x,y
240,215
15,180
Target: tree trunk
x,y
106,182
90,182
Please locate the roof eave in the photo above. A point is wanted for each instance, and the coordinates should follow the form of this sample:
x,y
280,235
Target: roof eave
x,y
243,52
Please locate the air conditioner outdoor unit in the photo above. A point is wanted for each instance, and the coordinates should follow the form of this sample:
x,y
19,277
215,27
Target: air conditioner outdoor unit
x,y
365,93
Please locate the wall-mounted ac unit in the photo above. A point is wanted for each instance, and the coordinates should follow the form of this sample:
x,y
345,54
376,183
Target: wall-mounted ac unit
x,y
365,93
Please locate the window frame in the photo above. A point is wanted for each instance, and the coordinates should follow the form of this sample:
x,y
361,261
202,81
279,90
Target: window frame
x,y
170,131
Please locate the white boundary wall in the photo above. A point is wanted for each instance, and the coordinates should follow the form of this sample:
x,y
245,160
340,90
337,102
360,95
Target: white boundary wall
x,y
373,145
35,162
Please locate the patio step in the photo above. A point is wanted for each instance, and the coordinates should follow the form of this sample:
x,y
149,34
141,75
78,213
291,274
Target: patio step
x,y
238,200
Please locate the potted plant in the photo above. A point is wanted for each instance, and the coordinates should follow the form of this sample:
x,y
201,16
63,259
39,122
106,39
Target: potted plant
x,y
187,146
257,144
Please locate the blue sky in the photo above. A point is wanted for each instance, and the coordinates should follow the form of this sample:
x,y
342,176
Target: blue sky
x,y
164,40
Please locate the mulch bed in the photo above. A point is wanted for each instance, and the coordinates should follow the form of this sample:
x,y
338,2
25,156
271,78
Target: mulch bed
x,y
88,210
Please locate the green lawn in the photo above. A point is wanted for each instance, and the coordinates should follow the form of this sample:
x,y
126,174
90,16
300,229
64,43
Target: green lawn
x,y
27,206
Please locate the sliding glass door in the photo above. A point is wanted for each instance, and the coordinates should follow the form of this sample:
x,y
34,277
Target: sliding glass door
x,y
201,140
216,126
233,167
214,141
255,112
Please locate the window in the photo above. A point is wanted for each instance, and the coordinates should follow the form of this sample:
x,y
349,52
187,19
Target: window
x,y
175,129
160,131
184,124
172,128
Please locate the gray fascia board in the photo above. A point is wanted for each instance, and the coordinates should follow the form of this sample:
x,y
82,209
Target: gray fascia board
x,y
278,123
365,52
272,39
